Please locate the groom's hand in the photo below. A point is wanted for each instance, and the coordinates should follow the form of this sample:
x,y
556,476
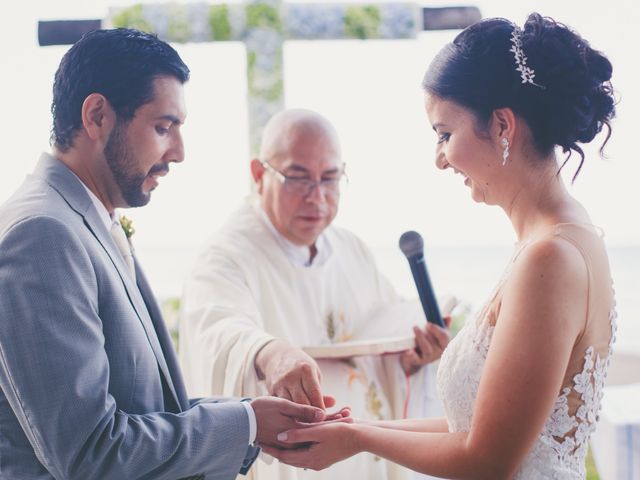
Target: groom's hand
x,y
276,415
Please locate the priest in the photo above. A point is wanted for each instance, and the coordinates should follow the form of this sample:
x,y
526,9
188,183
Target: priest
x,y
279,276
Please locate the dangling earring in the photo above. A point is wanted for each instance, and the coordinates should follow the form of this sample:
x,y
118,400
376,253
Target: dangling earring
x,y
505,152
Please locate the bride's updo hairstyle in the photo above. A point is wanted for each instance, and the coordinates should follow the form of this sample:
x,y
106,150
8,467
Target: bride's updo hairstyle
x,y
546,73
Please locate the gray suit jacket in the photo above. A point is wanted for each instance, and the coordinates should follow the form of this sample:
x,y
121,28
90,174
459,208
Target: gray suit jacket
x,y
90,385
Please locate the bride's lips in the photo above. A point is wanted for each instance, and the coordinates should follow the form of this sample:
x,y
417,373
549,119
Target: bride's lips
x,y
466,179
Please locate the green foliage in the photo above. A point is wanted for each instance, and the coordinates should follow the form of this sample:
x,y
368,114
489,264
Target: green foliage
x,y
170,309
263,15
592,471
171,305
274,91
127,226
132,17
251,65
362,22
460,315
178,29
219,22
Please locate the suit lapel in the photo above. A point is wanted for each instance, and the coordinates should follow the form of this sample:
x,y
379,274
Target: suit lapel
x,y
176,384
70,188
134,295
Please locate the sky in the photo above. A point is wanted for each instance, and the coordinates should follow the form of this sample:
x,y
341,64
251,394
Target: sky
x,y
370,90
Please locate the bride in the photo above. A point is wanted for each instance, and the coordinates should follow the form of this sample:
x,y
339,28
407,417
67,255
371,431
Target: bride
x,y
522,383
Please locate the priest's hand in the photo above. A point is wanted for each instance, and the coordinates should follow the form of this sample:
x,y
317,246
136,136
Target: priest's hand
x,y
430,343
292,374
275,415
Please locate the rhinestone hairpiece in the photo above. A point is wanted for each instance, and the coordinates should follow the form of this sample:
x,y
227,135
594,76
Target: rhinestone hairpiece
x,y
526,73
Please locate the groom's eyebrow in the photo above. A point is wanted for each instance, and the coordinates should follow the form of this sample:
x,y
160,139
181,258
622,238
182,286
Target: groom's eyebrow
x,y
171,118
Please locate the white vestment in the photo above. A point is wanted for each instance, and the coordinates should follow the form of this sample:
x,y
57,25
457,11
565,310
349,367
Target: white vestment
x,y
244,291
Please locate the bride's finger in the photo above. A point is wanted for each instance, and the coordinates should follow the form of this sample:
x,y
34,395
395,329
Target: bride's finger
x,y
290,457
338,420
299,435
343,412
335,419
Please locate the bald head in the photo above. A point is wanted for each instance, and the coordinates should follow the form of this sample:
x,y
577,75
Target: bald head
x,y
298,174
290,127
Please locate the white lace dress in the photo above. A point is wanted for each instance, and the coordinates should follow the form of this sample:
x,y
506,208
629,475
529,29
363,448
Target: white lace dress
x,y
561,447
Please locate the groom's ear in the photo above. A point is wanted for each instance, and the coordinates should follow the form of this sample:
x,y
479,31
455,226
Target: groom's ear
x,y
98,118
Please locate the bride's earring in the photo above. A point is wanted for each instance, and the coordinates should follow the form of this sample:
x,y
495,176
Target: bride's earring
x,y
505,152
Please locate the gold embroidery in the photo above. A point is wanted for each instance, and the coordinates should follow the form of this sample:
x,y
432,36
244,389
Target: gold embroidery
x,y
337,327
344,335
353,376
374,405
331,327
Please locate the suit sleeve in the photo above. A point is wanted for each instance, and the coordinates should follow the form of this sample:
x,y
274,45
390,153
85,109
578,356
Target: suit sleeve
x,y
54,373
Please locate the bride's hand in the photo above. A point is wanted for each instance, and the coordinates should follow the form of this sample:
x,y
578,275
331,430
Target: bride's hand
x,y
330,401
317,446
343,414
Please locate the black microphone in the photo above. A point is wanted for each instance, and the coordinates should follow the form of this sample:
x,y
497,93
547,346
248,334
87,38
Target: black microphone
x,y
412,246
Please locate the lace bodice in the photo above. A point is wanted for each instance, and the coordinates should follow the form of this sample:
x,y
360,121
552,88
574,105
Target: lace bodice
x,y
561,447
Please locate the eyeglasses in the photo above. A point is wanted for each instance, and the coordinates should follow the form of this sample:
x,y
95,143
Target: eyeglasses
x,y
303,186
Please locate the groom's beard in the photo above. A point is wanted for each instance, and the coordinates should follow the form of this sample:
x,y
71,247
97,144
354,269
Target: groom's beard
x,y
124,167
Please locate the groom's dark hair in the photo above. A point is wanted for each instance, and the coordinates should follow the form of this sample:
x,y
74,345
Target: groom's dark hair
x,y
120,64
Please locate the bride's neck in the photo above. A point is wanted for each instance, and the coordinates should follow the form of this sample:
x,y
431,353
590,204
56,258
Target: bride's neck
x,y
541,200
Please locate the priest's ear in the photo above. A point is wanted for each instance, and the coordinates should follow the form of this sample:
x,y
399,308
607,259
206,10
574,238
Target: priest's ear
x,y
257,172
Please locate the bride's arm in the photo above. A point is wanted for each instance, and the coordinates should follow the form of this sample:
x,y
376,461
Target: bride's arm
x,y
436,424
543,311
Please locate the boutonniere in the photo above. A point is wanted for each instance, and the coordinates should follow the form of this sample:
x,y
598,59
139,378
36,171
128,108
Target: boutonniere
x,y
127,226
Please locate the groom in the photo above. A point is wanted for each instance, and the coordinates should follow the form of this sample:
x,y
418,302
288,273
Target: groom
x,y
89,383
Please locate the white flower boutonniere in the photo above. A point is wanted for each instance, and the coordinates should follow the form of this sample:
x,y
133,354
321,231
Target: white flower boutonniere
x,y
127,226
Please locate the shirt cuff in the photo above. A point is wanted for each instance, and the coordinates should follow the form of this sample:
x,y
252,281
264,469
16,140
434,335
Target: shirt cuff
x,y
252,421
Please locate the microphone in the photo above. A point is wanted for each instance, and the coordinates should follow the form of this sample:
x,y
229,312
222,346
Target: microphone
x,y
412,246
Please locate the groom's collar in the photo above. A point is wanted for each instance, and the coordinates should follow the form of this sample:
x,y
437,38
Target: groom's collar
x,y
65,182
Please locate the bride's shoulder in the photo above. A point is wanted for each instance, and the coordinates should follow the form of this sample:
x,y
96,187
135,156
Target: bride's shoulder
x,y
549,278
552,255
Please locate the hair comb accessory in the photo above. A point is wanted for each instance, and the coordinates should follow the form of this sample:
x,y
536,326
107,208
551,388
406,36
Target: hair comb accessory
x,y
526,73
